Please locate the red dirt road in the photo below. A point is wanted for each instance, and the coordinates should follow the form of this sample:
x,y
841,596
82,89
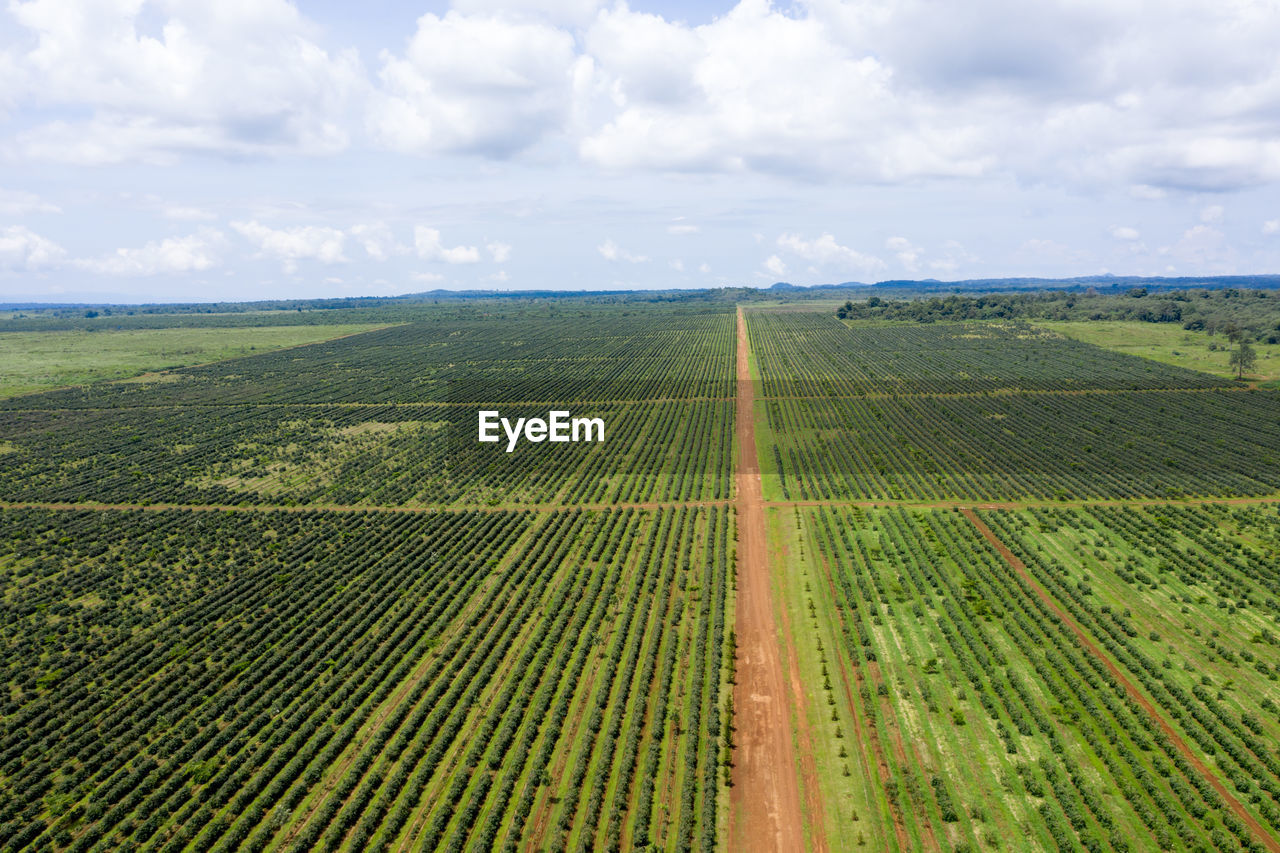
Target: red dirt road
x,y
765,799
1265,838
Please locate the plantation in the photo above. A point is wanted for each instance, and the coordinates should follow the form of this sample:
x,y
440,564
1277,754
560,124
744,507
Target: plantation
x,y
370,680
389,418
1110,682
562,357
815,355
868,584
987,412
946,665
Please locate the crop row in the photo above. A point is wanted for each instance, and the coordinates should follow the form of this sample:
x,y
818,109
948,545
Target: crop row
x,y
371,455
998,691
814,355
567,357
1121,445
366,680
1227,727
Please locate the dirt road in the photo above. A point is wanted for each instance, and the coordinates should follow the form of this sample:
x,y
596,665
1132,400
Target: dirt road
x,y
765,800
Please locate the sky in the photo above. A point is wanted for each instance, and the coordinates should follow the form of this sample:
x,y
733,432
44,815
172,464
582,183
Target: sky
x,y
246,149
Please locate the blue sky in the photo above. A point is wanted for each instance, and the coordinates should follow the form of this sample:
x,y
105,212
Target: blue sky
x,y
183,150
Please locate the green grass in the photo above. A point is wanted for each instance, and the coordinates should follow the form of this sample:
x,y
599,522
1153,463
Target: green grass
x,y
1168,343
39,361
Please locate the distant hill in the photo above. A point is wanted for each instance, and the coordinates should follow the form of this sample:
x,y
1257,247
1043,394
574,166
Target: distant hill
x,y
899,288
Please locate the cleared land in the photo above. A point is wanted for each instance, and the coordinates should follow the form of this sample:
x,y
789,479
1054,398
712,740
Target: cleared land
x,y
1171,344
38,361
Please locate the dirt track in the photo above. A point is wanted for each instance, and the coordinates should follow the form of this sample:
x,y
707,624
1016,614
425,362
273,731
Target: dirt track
x,y
804,739
1232,803
765,800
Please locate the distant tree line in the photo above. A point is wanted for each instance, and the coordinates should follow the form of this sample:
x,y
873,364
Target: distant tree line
x,y
1244,314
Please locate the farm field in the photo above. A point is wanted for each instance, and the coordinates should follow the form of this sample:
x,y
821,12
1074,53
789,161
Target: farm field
x,y
1169,343
985,412
980,717
388,418
1110,682
208,680
38,361
339,622
825,586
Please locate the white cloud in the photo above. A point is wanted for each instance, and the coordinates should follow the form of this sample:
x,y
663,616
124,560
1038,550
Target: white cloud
x,y
1070,93
564,12
907,254
427,243
1074,93
676,264
377,240
954,256
22,248
290,245
775,265
827,252
187,214
1212,213
611,251
1203,248
20,203
483,84
1271,226
682,229
193,253
704,268
427,277
1124,232
500,252
1147,193
186,77
1045,249
500,276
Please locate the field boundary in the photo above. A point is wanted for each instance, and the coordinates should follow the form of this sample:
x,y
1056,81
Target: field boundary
x,y
427,509
429,404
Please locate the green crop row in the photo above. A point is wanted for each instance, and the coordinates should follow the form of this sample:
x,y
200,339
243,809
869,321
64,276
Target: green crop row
x,y
186,680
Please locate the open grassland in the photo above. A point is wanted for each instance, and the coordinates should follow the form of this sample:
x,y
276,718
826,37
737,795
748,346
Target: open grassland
x,y
37,361
1169,343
